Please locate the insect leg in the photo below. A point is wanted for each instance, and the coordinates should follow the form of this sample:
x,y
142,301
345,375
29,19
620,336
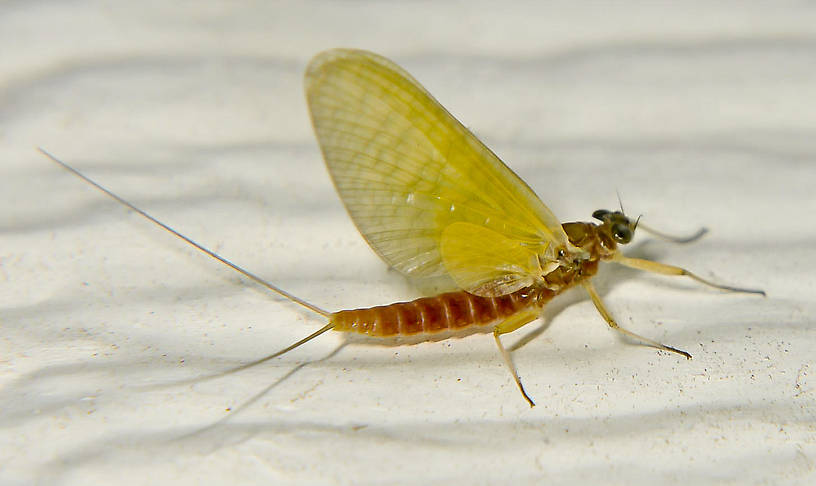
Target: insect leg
x,y
596,299
674,239
664,269
509,325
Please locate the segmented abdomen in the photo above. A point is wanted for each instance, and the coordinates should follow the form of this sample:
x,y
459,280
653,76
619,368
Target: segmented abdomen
x,y
449,311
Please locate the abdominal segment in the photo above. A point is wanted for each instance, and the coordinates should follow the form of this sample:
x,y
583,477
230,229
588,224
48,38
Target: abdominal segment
x,y
445,312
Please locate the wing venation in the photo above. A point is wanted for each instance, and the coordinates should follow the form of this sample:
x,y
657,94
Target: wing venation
x,y
406,170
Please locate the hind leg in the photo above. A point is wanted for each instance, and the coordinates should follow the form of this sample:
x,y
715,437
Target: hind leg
x,y
509,325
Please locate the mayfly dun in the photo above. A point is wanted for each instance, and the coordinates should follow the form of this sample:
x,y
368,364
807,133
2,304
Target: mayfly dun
x,y
437,205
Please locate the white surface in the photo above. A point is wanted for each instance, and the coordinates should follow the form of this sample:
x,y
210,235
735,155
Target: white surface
x,y
698,115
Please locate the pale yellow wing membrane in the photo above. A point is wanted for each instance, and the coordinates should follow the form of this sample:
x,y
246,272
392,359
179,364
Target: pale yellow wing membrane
x,y
487,263
406,170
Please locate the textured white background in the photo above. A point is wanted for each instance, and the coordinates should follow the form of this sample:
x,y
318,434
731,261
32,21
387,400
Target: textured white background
x,y
698,114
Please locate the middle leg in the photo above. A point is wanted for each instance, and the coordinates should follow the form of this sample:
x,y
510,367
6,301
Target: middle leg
x,y
596,299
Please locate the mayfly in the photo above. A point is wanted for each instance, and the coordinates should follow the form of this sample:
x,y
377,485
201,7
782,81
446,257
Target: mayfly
x,y
437,205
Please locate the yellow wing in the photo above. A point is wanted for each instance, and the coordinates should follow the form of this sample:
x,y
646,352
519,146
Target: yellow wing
x,y
408,171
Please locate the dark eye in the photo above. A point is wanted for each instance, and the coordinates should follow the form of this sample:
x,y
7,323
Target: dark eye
x,y
600,214
621,233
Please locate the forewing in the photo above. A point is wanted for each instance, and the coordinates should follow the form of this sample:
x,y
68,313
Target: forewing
x,y
406,169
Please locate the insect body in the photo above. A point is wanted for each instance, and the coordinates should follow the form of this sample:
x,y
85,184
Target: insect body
x,y
461,309
438,206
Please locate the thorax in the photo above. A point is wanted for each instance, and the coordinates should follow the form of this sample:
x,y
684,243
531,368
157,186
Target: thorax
x,y
596,246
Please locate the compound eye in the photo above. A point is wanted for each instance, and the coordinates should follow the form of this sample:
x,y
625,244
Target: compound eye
x,y
599,214
621,233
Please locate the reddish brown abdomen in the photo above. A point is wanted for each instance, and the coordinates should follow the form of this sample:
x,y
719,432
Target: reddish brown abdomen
x,y
450,311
